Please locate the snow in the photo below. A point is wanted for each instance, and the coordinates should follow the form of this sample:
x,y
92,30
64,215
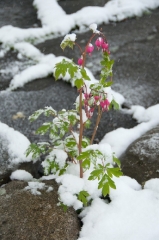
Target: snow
x,y
121,138
35,186
21,175
16,144
133,213
69,37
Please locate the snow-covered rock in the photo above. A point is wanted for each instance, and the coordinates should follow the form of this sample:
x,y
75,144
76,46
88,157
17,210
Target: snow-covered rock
x,y
141,160
13,145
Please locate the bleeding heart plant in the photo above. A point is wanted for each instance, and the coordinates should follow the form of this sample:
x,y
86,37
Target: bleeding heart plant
x,y
67,144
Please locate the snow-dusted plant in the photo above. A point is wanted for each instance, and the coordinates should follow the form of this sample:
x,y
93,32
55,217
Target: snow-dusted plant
x,y
67,144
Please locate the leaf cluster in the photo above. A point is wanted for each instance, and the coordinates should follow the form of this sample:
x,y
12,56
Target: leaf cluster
x,y
106,71
77,75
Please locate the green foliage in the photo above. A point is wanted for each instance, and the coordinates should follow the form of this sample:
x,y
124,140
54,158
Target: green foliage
x,y
117,161
67,43
114,105
79,83
48,111
82,196
63,67
104,175
106,71
36,150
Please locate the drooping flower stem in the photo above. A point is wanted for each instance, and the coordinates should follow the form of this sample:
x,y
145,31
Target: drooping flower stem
x,y
97,123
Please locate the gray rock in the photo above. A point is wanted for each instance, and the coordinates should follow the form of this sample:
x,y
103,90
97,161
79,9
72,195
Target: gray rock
x,y
11,159
5,167
27,216
141,160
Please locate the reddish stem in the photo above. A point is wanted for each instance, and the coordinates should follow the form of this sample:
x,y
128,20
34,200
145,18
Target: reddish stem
x,y
97,123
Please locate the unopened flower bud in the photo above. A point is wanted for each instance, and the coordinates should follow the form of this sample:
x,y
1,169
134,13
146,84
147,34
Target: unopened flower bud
x,y
80,61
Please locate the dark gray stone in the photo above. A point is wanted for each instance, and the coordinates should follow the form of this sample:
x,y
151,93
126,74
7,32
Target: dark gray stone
x,y
141,160
26,216
7,164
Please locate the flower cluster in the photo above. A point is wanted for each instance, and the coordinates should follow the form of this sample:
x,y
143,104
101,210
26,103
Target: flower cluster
x,y
91,101
99,43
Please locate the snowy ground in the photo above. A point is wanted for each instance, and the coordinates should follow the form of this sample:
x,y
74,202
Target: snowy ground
x,y
133,213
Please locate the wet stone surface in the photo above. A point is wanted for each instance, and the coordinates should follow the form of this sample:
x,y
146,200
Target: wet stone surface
x,y
18,13
141,160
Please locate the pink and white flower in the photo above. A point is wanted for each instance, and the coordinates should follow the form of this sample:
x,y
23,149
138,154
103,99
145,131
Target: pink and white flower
x,y
90,48
99,42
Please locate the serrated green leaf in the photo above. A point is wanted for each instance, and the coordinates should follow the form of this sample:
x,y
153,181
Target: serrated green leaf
x,y
95,174
60,69
72,69
63,67
35,150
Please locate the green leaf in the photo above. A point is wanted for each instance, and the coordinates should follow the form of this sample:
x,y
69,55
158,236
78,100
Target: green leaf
x,y
44,128
103,181
67,43
72,69
115,105
84,74
79,83
87,124
111,183
62,171
82,196
108,84
35,150
86,164
35,115
83,155
117,161
115,171
105,189
63,67
60,69
96,174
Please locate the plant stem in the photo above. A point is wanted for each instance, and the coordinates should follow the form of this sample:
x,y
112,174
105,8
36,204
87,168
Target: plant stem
x,y
80,133
97,123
